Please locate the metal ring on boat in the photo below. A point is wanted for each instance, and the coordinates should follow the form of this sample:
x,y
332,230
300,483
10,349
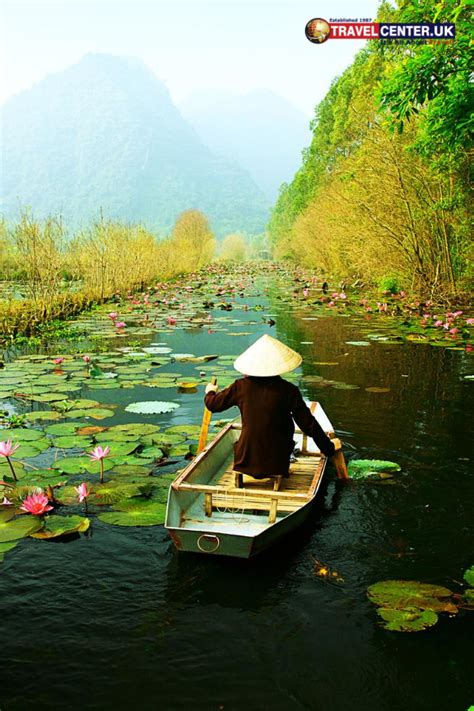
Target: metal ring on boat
x,y
211,538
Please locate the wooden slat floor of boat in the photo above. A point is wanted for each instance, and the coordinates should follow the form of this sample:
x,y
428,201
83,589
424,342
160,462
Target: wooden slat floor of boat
x,y
299,481
301,476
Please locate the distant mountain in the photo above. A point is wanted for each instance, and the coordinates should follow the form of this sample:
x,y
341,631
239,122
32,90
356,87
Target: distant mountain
x,y
262,131
104,134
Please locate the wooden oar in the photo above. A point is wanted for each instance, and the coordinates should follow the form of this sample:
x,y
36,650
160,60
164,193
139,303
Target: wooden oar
x,y
338,460
206,419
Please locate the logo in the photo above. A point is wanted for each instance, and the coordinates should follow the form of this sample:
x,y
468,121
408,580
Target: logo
x,y
318,30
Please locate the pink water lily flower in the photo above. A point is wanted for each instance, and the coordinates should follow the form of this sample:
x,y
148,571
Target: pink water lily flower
x,y
120,324
113,315
58,361
453,331
86,358
6,502
83,491
171,320
98,453
8,448
36,504
305,293
470,322
438,323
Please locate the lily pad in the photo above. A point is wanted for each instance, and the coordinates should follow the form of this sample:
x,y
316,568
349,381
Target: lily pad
x,y
96,413
43,416
47,397
63,429
76,465
469,575
44,477
408,620
152,407
146,514
21,434
367,468
403,594
152,453
72,442
55,526
131,470
26,450
163,438
113,491
119,449
189,431
358,343
18,528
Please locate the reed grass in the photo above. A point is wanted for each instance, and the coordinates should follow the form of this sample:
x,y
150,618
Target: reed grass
x,y
61,275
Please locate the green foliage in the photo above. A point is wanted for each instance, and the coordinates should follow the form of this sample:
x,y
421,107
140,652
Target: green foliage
x,y
389,284
371,201
432,81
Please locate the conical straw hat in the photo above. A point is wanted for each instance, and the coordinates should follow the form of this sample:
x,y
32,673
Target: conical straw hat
x,y
267,357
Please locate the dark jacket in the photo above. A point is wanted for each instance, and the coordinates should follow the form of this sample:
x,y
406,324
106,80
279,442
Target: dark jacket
x,y
268,407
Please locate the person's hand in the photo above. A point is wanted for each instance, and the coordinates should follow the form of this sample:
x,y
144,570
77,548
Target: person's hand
x,y
337,443
211,388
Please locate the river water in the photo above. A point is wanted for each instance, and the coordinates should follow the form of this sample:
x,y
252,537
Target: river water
x,y
119,619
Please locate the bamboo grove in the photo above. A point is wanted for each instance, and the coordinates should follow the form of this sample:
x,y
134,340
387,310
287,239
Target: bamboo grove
x,y
382,194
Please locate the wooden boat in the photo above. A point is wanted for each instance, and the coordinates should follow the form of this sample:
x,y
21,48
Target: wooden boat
x,y
208,513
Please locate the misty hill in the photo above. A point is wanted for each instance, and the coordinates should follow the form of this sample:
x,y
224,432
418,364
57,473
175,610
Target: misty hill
x,y
262,131
104,133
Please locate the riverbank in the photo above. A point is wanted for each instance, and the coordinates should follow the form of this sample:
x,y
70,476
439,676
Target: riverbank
x,y
437,323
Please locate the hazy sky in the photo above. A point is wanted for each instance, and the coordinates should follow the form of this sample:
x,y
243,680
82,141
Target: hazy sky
x,y
191,45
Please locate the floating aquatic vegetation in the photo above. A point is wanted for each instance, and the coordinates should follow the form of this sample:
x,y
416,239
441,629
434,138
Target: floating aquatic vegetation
x,y
23,434
371,468
469,576
407,620
376,389
191,431
152,407
407,594
157,350
96,413
11,530
32,449
56,526
184,358
70,442
80,465
63,429
136,512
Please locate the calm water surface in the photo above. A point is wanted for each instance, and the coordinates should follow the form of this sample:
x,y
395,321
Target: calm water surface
x,y
120,620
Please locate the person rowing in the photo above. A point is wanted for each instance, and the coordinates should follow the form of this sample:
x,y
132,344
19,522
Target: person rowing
x,y
269,407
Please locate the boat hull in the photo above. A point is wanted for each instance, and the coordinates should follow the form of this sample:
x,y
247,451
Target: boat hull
x,y
208,514
230,543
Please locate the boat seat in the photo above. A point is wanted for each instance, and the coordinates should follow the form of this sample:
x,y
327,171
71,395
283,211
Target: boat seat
x,y
243,480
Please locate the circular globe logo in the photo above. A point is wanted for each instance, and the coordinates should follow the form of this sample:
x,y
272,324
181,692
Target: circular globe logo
x,y
317,30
